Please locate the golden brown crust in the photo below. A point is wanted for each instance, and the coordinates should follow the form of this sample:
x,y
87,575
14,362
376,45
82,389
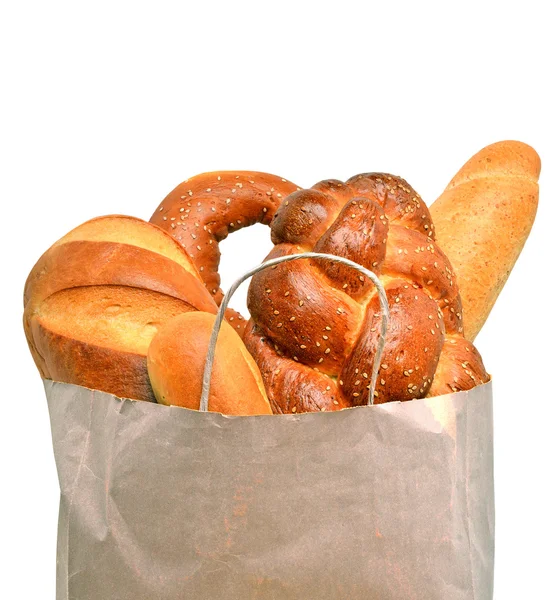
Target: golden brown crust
x,y
176,359
93,303
414,342
314,391
123,374
293,305
201,212
482,221
86,263
460,368
315,323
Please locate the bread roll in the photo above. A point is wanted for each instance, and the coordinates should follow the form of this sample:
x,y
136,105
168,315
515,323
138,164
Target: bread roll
x,y
176,360
482,220
96,298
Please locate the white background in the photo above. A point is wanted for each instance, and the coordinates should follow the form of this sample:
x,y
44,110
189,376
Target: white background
x,y
106,106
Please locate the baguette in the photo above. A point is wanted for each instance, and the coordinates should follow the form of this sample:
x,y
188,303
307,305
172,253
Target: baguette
x,y
482,221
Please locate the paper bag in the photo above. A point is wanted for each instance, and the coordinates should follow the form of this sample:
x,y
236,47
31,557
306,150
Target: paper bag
x,y
386,502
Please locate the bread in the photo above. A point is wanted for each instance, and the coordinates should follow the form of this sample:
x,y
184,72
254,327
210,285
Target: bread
x,y
315,324
176,360
96,298
201,212
482,221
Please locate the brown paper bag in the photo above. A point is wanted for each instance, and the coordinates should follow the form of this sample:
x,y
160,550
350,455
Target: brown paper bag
x,y
393,501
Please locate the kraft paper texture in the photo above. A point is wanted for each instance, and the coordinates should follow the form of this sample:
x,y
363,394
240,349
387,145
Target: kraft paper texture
x,y
387,502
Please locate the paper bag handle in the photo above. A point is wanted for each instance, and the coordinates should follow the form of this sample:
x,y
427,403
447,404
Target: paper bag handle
x,y
276,261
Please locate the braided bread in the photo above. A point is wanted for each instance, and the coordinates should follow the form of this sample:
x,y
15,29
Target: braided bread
x,y
314,327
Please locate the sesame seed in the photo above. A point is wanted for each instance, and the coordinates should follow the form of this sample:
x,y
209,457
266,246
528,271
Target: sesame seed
x,y
320,360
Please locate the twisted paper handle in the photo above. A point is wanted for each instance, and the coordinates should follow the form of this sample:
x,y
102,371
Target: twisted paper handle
x,y
271,263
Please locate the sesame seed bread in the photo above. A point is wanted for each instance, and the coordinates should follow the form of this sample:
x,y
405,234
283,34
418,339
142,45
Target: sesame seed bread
x,y
482,221
203,210
176,359
314,328
96,298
